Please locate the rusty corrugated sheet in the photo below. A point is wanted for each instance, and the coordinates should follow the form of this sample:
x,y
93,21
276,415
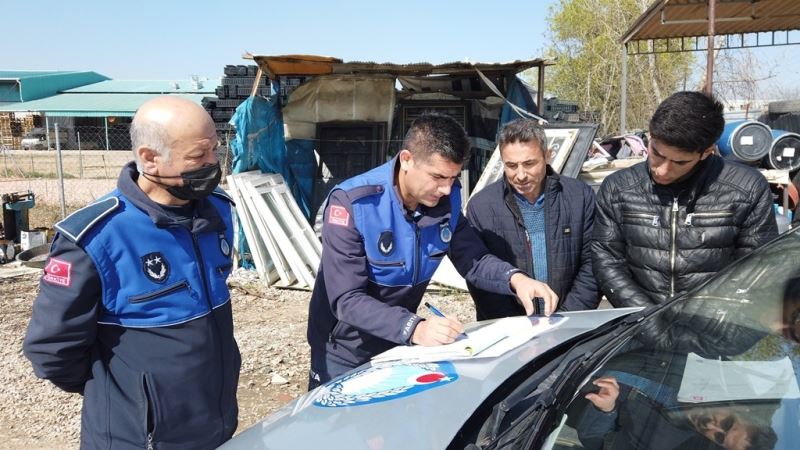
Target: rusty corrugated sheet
x,y
687,18
299,65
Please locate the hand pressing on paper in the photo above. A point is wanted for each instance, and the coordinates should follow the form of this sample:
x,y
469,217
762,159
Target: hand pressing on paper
x,y
436,331
527,289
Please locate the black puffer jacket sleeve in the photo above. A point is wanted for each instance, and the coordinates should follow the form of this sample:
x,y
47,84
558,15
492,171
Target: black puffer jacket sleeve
x,y
760,226
610,266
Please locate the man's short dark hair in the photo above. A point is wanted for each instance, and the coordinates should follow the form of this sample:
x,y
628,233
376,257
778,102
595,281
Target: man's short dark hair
x,y
433,133
690,121
523,130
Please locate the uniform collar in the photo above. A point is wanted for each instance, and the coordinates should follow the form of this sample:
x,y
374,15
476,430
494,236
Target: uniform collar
x,y
206,217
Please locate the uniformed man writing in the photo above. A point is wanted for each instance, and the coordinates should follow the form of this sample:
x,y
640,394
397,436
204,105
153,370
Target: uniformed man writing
x,y
384,234
133,311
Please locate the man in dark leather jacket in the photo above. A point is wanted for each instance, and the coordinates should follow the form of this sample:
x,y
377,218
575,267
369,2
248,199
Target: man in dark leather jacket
x,y
665,226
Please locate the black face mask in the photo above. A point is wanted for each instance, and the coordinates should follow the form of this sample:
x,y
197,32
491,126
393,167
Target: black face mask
x,y
197,184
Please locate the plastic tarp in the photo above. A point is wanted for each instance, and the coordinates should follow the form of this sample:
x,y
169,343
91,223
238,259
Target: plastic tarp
x,y
519,95
338,98
259,144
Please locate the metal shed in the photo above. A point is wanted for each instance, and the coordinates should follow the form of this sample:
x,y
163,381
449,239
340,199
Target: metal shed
x,y
668,26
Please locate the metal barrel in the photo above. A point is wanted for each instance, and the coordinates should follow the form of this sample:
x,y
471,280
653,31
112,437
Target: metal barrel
x,y
745,140
785,151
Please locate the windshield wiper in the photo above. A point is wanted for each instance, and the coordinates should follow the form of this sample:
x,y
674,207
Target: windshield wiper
x,y
543,390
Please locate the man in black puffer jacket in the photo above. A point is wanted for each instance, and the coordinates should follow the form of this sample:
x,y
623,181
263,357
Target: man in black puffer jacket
x,y
665,226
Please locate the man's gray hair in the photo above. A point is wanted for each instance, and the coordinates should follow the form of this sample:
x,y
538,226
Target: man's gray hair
x,y
523,131
151,134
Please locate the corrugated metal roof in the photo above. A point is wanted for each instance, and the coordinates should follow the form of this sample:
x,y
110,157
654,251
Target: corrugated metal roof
x,y
90,104
24,74
322,65
688,18
21,85
148,87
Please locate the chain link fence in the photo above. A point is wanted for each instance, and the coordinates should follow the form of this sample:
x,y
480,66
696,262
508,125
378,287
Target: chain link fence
x,y
83,153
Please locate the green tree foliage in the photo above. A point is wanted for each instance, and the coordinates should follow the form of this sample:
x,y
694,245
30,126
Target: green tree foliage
x,y
584,37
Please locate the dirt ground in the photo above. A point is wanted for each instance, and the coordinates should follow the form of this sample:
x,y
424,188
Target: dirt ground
x,y
270,329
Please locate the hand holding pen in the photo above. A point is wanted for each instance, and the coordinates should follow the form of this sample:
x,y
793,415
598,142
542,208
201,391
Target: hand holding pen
x,y
437,330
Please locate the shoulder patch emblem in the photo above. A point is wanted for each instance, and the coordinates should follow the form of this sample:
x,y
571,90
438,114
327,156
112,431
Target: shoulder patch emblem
x,y
58,272
155,267
338,215
224,247
386,243
444,232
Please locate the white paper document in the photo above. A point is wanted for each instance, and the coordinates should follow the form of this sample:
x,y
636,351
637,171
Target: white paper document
x,y
486,342
711,380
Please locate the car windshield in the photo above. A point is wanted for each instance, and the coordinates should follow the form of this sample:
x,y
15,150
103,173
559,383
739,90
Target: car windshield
x,y
717,368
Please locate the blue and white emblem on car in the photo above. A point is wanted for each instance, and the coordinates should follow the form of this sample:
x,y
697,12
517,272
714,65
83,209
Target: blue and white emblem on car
x,y
386,382
444,232
155,267
224,247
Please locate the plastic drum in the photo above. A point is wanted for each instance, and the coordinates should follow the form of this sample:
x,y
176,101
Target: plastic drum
x,y
745,140
785,151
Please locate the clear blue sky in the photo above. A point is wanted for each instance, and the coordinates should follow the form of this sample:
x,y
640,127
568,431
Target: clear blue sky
x,y
166,39
146,39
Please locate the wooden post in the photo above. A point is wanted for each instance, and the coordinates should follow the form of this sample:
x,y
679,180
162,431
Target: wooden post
x,y
259,74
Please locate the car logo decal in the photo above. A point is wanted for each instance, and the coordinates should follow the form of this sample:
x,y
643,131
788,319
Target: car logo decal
x,y
386,243
155,267
386,382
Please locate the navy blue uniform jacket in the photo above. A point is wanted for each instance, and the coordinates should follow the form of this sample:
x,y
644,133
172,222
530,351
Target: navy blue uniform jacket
x,y
569,216
351,316
157,363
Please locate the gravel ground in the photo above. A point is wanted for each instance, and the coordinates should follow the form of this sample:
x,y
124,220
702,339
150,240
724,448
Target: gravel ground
x,y
270,328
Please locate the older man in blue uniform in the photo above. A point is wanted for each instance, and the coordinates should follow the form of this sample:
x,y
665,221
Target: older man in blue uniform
x,y
133,311
384,234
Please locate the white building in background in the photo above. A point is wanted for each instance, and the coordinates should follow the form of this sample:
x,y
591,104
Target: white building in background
x,y
739,109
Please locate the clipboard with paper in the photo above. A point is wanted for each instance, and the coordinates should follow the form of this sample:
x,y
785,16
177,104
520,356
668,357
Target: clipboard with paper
x,y
489,341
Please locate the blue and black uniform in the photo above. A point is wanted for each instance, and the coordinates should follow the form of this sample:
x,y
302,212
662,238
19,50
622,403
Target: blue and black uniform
x,y
134,313
377,261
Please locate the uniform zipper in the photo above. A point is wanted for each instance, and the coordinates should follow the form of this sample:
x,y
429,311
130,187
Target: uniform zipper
x,y
150,441
201,267
387,263
416,255
673,251
530,252
159,293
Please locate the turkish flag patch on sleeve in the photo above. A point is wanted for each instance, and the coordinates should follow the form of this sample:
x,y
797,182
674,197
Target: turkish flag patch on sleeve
x,y
58,272
338,215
